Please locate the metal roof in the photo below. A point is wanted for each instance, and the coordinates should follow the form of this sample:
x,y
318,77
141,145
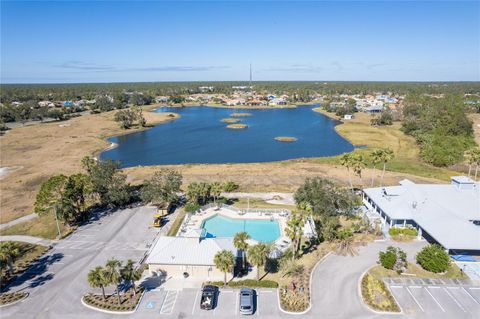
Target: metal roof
x,y
444,211
188,250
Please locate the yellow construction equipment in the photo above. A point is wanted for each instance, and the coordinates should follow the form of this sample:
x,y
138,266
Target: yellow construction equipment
x,y
157,221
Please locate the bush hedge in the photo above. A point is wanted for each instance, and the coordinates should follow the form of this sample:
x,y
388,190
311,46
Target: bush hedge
x,y
191,207
252,283
433,258
407,231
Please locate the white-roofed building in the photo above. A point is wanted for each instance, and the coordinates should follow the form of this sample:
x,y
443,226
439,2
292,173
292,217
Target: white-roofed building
x,y
448,214
191,254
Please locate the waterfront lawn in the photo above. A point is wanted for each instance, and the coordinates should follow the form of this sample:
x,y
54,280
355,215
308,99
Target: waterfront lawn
x,y
407,160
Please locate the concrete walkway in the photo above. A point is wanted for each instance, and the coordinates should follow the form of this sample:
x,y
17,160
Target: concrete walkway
x,y
284,198
18,220
29,239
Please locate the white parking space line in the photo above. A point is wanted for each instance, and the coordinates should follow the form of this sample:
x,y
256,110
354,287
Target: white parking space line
x,y
415,299
433,287
475,300
169,302
415,287
237,301
397,287
257,311
474,288
435,299
195,302
456,301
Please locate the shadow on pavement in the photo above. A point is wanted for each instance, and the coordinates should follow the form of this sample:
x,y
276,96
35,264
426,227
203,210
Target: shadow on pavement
x,y
36,273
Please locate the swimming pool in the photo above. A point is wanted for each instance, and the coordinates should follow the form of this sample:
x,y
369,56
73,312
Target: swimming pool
x,y
260,230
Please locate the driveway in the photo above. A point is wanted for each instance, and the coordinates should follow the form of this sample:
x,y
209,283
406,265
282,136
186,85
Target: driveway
x,y
335,281
57,281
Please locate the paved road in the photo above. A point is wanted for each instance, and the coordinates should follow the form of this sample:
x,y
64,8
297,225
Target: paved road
x,y
58,281
29,239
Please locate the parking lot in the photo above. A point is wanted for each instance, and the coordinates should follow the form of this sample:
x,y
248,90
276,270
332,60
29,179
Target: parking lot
x,y
57,281
186,303
436,298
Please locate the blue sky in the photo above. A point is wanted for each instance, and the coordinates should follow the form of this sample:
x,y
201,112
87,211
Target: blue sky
x,y
128,41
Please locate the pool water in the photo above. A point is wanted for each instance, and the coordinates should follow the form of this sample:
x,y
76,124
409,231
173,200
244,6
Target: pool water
x,y
265,231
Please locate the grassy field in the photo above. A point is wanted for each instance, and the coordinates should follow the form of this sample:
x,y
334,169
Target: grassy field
x,y
360,133
257,203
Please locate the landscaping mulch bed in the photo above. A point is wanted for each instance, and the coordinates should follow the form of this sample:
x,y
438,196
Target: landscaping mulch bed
x,y
11,297
128,302
377,296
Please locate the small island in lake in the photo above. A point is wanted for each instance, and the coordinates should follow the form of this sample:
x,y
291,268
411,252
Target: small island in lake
x,y
237,126
285,139
230,120
241,114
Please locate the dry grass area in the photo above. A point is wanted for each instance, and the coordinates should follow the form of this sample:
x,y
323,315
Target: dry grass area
x,y
263,177
44,150
257,203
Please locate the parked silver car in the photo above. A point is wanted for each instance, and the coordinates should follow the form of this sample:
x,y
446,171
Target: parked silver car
x,y
246,301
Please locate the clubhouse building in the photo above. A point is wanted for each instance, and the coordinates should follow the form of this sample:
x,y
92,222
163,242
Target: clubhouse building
x,y
446,214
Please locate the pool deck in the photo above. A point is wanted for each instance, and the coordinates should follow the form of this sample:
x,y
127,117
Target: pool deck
x,y
195,221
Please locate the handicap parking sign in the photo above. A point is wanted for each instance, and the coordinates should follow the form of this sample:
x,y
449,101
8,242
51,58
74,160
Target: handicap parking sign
x,y
150,305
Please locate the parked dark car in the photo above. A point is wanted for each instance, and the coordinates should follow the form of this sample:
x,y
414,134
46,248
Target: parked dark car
x,y
246,301
209,297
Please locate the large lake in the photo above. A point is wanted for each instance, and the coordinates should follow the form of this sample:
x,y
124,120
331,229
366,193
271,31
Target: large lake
x,y
199,136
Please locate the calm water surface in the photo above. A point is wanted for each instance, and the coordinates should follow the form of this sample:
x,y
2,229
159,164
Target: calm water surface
x,y
199,137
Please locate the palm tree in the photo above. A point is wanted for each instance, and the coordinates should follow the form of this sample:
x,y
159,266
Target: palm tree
x,y
112,274
294,231
346,245
9,252
476,160
258,256
376,158
346,161
96,279
204,191
387,156
130,274
216,189
358,164
240,242
224,261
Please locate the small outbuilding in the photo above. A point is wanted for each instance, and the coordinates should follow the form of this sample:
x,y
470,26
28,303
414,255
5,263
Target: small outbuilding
x,y
189,256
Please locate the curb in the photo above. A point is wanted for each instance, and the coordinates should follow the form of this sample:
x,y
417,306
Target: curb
x,y
111,311
364,304
310,291
16,301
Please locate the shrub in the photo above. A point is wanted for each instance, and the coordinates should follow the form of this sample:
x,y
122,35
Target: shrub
x,y
387,259
247,283
433,258
191,207
407,231
376,295
230,187
393,258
